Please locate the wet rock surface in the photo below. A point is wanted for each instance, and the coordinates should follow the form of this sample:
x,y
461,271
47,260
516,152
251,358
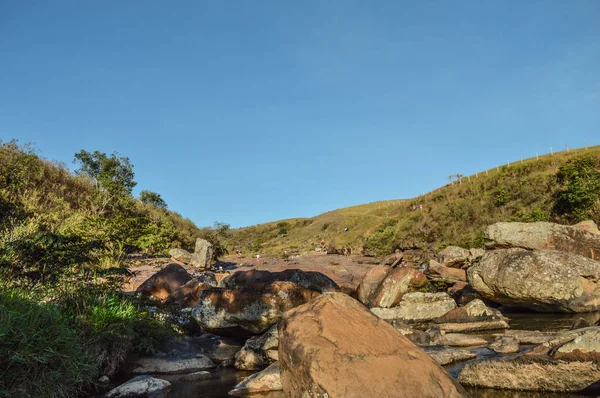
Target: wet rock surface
x,y
141,386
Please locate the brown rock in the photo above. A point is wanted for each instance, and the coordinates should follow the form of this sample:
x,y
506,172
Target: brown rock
x,y
187,296
446,273
589,226
371,282
308,279
398,282
253,309
335,347
505,345
164,282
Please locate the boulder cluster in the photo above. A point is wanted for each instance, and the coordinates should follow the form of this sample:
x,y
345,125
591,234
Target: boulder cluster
x,y
307,337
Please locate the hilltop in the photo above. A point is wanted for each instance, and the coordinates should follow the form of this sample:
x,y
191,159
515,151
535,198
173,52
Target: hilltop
x,y
561,187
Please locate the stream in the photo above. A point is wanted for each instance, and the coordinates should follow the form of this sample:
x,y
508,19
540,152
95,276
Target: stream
x,y
226,379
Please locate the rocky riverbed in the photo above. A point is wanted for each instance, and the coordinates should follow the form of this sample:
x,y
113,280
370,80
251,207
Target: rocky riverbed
x,y
416,322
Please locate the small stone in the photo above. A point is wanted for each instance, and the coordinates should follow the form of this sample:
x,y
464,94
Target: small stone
x,y
141,386
505,345
196,376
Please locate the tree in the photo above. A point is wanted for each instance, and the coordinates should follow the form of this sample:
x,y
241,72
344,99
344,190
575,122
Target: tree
x,y
112,176
153,198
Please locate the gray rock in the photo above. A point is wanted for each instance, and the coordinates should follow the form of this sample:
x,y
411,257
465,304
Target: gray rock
x,y
505,345
173,366
589,226
145,386
545,280
418,307
447,355
180,255
203,254
543,236
264,381
454,256
585,347
259,351
475,254
196,376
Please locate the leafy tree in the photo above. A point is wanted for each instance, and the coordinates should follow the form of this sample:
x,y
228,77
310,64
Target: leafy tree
x,y
112,175
153,198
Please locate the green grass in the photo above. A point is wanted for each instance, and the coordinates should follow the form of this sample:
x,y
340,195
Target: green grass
x,y
455,214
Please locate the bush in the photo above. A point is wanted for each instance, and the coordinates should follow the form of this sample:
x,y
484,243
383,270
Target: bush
x,y
41,355
580,193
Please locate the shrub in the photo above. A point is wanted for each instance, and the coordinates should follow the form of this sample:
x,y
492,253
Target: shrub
x,y
580,193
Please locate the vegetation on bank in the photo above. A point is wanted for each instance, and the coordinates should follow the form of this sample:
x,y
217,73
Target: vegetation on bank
x,y
562,187
63,238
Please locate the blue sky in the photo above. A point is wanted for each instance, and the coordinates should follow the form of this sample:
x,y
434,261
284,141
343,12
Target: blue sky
x,y
252,111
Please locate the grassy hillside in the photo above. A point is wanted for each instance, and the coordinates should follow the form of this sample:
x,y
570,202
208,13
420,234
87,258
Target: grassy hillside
x,y
63,319
563,187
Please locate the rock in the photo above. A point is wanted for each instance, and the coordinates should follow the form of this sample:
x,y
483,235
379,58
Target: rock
x,y
463,293
505,345
180,255
392,260
545,281
334,347
264,381
196,376
370,283
164,282
436,269
543,236
454,256
417,336
396,284
203,254
585,347
217,348
104,380
530,336
580,323
141,386
528,374
447,355
259,351
475,316
550,347
206,277
158,365
307,279
474,254
438,337
187,296
253,309
418,307
589,226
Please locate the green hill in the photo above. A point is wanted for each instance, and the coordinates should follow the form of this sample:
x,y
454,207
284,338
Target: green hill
x,y
563,187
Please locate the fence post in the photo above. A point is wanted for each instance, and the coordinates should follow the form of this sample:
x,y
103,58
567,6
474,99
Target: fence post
x,y
551,153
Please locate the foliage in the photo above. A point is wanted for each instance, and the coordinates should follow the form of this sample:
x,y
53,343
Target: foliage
x,y
580,182
41,355
152,198
501,197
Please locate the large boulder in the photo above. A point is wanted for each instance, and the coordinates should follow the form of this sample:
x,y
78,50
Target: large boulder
x,y
187,296
141,386
454,256
418,307
203,254
180,255
308,279
543,236
334,347
164,282
396,284
545,280
259,351
254,309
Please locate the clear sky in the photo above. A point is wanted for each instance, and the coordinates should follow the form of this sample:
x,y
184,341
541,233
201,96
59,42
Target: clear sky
x,y
252,111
